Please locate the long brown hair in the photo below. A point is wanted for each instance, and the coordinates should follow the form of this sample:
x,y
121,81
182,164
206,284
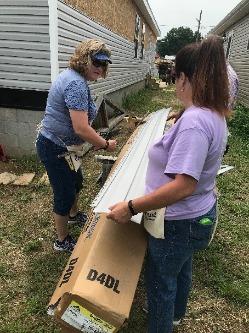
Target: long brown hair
x,y
204,64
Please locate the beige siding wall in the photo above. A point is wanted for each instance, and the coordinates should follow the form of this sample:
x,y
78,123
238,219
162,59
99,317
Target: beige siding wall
x,y
116,15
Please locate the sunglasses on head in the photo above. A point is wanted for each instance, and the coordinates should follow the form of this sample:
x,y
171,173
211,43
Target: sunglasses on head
x,y
98,63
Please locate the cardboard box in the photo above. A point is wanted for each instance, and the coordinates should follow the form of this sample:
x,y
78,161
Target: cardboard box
x,y
97,287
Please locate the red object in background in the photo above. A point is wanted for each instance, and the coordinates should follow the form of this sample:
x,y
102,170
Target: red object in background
x,y
2,153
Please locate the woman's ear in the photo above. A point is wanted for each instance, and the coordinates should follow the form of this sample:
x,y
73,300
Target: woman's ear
x,y
182,81
182,77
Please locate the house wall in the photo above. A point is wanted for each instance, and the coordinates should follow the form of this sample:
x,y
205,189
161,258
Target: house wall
x,y
124,71
120,10
239,56
26,51
26,55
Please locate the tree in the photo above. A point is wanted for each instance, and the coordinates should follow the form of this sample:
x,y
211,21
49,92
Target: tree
x,y
175,39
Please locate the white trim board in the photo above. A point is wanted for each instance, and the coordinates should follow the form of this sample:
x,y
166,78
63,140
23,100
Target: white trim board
x,y
224,168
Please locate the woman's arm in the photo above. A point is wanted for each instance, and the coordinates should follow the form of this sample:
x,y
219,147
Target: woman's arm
x,y
179,188
86,132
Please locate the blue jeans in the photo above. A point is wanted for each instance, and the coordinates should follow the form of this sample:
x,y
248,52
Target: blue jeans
x,y
65,182
169,269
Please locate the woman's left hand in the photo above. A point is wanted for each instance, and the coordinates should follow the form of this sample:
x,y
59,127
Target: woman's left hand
x,y
120,213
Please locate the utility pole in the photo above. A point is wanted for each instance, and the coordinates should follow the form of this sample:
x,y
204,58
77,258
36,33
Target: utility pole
x,y
198,31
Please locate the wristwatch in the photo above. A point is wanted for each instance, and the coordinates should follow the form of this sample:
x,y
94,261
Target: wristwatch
x,y
131,207
106,145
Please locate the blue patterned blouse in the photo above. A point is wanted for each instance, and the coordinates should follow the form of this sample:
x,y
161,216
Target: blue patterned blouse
x,y
69,91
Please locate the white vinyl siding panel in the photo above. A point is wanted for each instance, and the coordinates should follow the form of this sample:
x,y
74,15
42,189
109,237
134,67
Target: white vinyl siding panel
x,y
24,45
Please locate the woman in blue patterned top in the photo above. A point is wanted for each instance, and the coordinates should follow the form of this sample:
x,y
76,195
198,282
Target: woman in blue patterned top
x,y
69,113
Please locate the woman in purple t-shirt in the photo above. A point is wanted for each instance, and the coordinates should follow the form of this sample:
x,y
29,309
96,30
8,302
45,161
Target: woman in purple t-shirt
x,y
181,173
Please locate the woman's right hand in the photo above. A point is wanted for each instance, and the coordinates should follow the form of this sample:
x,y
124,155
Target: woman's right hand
x,y
86,132
112,145
175,115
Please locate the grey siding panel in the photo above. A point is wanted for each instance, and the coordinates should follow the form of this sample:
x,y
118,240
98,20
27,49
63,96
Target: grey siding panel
x,y
25,69
239,56
23,19
26,85
23,77
25,3
41,56
24,28
74,27
25,44
31,62
20,37
16,10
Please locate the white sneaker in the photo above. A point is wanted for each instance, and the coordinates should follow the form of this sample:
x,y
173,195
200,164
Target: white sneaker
x,y
177,321
145,306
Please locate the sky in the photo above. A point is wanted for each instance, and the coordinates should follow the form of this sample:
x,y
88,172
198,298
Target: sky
x,y
177,13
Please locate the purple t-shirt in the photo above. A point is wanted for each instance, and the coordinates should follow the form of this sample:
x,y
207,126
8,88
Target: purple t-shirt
x,y
193,146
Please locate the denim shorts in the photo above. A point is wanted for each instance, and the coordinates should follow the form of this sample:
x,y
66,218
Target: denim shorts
x,y
65,182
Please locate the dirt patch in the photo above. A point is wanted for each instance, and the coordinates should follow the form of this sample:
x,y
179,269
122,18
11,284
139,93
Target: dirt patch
x,y
7,166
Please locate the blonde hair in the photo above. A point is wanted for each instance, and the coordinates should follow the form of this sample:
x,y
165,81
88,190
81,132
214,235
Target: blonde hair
x,y
80,60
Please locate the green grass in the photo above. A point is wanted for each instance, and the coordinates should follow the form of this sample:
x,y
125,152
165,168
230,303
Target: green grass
x,y
148,100
30,269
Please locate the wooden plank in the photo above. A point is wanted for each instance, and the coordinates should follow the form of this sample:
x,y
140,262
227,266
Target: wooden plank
x,y
113,106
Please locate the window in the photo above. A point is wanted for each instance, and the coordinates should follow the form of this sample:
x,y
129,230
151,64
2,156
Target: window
x,y
136,35
228,46
229,43
142,41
